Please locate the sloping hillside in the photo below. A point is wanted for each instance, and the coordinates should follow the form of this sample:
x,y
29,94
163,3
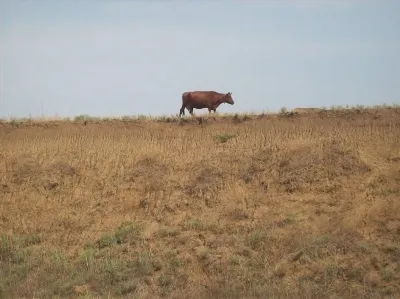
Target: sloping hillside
x,y
295,205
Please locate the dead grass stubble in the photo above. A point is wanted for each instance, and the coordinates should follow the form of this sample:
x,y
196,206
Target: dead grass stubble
x,y
298,206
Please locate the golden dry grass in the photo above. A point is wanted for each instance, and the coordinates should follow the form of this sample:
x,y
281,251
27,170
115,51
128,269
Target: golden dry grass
x,y
275,206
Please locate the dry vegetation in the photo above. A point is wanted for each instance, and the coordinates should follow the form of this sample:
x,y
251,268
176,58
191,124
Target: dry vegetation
x,y
293,205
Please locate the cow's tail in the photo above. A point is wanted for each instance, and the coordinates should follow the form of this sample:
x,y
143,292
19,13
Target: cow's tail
x,y
184,96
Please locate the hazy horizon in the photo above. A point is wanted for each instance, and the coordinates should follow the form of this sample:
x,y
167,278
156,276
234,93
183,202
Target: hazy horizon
x,y
114,58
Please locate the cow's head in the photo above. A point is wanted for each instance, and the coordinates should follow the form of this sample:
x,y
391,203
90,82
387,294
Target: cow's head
x,y
228,98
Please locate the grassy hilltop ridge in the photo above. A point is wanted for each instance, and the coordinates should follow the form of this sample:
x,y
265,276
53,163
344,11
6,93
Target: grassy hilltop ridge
x,y
300,204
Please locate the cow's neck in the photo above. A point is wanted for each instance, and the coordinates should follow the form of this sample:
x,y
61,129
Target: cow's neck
x,y
220,101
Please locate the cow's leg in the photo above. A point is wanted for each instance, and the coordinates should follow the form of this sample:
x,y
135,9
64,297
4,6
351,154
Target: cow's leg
x,y
191,111
182,111
209,110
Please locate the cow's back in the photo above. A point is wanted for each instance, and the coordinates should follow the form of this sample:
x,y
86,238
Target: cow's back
x,y
204,95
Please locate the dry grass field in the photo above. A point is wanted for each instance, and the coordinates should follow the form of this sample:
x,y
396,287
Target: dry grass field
x,y
291,205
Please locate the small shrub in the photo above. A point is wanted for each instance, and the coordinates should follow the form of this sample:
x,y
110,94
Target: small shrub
x,y
82,117
283,110
222,138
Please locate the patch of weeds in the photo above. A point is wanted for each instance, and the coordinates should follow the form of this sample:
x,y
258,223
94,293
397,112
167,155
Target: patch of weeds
x,y
202,253
290,218
235,259
243,251
59,261
183,121
222,138
81,117
331,271
328,245
238,214
236,119
3,293
127,232
7,248
108,240
144,265
60,288
256,239
280,270
12,247
127,287
173,259
247,178
168,232
366,247
9,245
142,117
144,204
317,246
112,271
375,262
259,261
16,273
87,258
19,257
393,250
127,118
213,228
28,240
165,280
354,273
387,275
89,245
205,183
321,239
195,224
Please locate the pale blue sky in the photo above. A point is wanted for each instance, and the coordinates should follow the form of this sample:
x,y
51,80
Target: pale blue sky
x,y
110,58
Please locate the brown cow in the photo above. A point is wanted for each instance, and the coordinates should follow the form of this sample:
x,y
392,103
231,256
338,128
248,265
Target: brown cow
x,y
204,99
